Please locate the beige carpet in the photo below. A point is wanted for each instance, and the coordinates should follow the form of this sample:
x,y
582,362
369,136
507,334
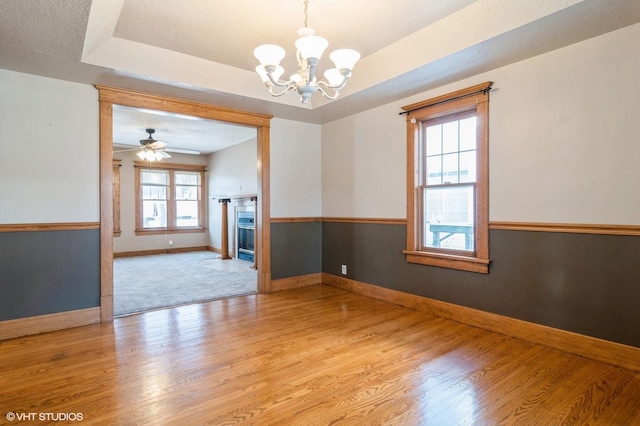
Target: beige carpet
x,y
143,283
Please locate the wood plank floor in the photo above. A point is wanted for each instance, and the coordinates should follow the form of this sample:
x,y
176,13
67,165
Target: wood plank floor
x,y
312,356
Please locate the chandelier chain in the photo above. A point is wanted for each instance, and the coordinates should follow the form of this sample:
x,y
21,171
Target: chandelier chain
x,y
306,12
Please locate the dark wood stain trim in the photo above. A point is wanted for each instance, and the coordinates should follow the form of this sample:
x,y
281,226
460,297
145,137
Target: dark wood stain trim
x,y
65,226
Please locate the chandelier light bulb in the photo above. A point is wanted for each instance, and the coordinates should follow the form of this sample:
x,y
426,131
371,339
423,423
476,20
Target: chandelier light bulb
x,y
344,58
269,54
311,46
333,76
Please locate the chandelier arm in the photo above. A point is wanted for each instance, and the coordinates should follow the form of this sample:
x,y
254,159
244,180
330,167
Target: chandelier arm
x,y
276,95
327,95
269,69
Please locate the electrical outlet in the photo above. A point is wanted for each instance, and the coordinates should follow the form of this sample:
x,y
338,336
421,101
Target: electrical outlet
x,y
170,243
344,269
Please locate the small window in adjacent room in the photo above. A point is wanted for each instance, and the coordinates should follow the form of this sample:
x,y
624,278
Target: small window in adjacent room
x,y
447,180
170,198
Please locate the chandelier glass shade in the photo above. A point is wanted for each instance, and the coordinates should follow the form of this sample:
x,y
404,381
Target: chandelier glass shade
x,y
309,51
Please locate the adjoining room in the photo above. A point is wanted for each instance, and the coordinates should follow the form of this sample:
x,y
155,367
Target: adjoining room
x,y
170,173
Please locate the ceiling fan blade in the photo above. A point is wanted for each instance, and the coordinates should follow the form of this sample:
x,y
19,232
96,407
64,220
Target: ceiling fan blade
x,y
125,150
157,145
183,151
163,154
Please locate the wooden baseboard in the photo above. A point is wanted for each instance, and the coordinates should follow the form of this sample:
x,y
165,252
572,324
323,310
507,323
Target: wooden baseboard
x,y
577,344
296,282
106,308
160,251
51,322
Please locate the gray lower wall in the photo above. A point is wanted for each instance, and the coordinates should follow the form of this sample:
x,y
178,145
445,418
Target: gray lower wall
x,y
588,284
296,249
48,272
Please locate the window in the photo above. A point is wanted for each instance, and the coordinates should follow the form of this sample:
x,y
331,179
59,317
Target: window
x,y
169,198
447,181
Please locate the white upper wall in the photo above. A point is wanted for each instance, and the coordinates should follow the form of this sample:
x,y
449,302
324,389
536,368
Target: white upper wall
x,y
363,159
563,146
234,171
295,169
563,141
48,150
231,172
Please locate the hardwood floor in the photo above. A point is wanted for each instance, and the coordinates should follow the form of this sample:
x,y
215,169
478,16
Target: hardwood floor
x,y
312,356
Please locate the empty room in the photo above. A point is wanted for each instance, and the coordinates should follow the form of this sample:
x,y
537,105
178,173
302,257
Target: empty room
x,y
436,203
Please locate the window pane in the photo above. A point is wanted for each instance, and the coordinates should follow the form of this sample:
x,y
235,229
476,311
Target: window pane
x,y
450,137
450,168
434,139
154,192
186,213
187,192
449,218
434,170
160,177
185,178
468,166
468,134
154,214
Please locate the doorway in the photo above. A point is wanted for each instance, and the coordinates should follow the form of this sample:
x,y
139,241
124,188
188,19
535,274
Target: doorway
x,y
109,97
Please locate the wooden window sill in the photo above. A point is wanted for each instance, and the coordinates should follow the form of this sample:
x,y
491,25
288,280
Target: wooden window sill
x,y
169,231
462,263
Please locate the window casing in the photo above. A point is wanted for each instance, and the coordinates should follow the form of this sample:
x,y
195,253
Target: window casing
x,y
447,181
116,197
169,198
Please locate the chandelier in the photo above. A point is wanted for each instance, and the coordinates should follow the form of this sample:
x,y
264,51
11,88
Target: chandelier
x,y
309,50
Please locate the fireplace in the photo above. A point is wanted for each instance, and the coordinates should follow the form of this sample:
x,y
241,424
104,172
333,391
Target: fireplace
x,y
246,233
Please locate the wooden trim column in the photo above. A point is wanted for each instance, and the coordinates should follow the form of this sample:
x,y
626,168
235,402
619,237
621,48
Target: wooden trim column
x,y
255,244
225,228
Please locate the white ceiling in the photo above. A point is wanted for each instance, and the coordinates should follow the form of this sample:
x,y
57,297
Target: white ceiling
x,y
201,50
179,132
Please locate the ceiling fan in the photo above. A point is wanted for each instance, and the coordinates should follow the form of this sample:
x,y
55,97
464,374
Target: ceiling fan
x,y
151,150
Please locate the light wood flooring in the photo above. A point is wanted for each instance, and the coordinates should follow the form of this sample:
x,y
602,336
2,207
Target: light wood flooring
x,y
311,356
